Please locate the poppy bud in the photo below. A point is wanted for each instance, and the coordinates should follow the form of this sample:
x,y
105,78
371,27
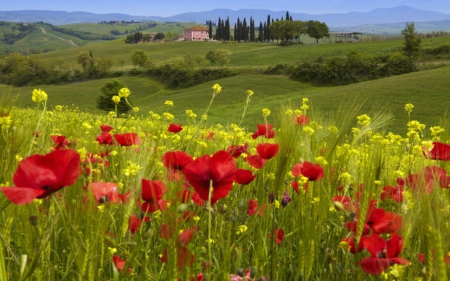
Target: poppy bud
x,y
240,272
33,220
338,206
271,198
182,208
286,199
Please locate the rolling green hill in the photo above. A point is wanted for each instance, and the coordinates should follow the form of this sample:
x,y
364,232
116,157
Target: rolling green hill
x,y
243,54
427,90
124,27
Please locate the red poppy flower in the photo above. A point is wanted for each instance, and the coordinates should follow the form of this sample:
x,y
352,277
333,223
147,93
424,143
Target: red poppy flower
x,y
294,185
186,236
134,223
174,128
184,256
312,171
393,192
106,128
105,192
237,150
351,243
127,139
278,234
246,277
267,150
176,160
152,192
440,151
184,195
119,263
41,175
125,197
197,200
301,120
210,136
383,253
255,161
265,130
244,177
217,171
252,207
105,138
60,141
379,221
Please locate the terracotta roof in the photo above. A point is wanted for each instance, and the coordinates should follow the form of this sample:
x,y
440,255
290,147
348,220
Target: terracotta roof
x,y
197,28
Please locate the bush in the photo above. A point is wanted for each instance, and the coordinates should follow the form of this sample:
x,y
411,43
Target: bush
x,y
174,77
104,102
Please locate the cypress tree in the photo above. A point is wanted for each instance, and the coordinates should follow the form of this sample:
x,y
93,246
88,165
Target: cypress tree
x,y
267,31
244,35
219,30
252,29
223,30
210,31
227,29
287,15
260,32
238,30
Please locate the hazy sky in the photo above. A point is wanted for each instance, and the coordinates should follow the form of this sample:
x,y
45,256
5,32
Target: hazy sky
x,y
173,7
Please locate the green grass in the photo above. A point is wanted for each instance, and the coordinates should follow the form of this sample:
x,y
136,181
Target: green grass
x,y
427,90
243,55
122,27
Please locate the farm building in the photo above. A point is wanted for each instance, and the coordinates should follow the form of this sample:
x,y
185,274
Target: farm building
x,y
196,33
345,36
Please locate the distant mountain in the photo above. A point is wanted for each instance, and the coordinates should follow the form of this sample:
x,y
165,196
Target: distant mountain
x,y
399,14
61,17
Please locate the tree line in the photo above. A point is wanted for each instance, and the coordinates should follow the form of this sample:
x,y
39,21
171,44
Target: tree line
x,y
284,29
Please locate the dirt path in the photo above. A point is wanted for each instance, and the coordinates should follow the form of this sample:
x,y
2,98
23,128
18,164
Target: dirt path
x,y
69,41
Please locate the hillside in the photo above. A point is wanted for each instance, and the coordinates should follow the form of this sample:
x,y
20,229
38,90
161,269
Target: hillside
x,y
270,92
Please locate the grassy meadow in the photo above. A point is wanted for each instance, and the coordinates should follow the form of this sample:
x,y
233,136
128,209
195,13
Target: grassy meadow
x,y
272,92
251,177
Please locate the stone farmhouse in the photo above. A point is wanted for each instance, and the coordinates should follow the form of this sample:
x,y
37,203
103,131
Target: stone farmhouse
x,y
196,33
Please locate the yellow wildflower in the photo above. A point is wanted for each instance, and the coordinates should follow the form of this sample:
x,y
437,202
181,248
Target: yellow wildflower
x,y
124,93
216,89
39,95
116,99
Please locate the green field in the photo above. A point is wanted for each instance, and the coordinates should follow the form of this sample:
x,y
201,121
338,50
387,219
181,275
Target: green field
x,y
122,27
243,54
427,90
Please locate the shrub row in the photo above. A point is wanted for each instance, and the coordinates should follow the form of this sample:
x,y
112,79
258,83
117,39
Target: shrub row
x,y
342,71
174,77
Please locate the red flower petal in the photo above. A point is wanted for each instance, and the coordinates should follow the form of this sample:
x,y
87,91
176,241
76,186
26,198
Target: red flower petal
x,y
243,176
256,161
176,160
374,265
307,169
217,171
105,192
440,151
174,128
127,139
22,195
267,150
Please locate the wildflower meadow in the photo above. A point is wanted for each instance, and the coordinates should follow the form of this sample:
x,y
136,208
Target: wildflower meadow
x,y
153,196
